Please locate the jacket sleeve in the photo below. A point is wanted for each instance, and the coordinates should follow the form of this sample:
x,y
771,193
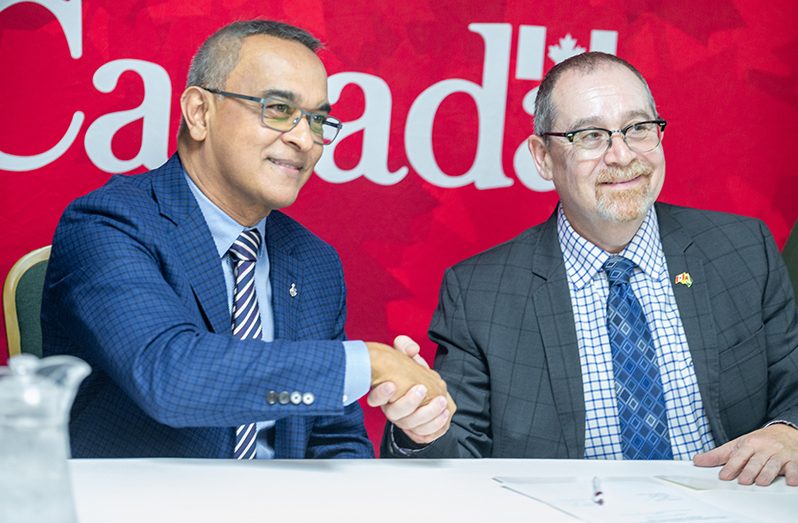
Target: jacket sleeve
x,y
463,365
130,310
780,319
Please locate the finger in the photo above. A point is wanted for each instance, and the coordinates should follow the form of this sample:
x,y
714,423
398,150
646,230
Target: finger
x,y
381,394
748,470
790,471
405,405
421,361
737,462
422,416
443,419
769,471
715,457
432,380
435,426
450,405
406,345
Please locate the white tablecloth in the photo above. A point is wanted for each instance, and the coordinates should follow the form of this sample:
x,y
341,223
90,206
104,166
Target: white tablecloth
x,y
353,491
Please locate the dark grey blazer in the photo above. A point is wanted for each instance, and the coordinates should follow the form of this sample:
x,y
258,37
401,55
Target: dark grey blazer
x,y
508,347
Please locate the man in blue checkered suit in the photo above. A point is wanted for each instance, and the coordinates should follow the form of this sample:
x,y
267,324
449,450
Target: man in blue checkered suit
x,y
142,283
524,339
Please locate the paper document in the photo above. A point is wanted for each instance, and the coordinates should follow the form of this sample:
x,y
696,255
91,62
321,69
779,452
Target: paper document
x,y
701,484
622,500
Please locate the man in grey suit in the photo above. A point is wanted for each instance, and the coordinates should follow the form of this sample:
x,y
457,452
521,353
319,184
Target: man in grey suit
x,y
619,328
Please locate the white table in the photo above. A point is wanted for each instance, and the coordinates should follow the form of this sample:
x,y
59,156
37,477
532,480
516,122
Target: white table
x,y
352,491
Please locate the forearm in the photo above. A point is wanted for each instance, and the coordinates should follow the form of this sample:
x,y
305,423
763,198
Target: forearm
x,y
148,341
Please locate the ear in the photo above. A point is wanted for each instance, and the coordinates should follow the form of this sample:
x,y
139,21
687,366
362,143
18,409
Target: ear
x,y
541,155
195,107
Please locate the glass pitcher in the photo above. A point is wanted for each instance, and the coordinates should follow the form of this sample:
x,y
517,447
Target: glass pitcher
x,y
35,399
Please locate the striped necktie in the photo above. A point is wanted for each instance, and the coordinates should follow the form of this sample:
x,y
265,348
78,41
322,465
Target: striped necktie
x,y
642,413
246,318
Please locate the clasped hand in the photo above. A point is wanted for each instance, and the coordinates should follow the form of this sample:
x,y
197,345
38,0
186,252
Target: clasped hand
x,y
411,395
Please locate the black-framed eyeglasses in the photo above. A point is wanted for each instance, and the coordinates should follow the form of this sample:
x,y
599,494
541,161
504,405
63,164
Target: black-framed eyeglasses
x,y
281,115
592,142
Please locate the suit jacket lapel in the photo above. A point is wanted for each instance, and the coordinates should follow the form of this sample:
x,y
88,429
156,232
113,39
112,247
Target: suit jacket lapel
x,y
695,309
556,322
285,276
193,244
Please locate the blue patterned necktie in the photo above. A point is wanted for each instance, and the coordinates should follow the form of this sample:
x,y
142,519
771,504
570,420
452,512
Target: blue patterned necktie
x,y
638,385
246,319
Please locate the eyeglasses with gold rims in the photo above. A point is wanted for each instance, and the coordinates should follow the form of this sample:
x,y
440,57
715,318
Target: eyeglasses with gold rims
x,y
280,115
592,142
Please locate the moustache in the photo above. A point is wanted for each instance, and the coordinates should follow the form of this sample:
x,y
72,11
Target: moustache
x,y
623,174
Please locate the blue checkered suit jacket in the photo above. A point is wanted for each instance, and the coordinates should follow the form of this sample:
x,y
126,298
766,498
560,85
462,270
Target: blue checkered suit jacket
x,y
508,349
135,288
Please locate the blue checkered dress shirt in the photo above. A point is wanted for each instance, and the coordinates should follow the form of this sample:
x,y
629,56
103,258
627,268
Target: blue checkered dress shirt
x,y
687,423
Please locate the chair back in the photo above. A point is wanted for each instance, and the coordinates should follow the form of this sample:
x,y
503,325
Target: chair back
x,y
790,254
22,302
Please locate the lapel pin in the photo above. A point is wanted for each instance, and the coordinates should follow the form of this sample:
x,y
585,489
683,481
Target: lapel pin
x,y
292,291
685,279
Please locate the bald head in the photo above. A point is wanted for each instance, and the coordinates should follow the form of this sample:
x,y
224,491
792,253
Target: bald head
x,y
545,108
219,53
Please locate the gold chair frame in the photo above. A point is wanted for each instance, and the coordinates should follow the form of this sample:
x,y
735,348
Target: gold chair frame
x,y
10,296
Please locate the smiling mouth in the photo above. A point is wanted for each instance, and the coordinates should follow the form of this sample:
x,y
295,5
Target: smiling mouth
x,y
287,165
621,183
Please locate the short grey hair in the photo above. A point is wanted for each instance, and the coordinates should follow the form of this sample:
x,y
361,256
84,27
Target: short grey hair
x,y
545,112
219,54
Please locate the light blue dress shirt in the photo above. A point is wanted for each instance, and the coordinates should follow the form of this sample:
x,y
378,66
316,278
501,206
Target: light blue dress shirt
x,y
225,231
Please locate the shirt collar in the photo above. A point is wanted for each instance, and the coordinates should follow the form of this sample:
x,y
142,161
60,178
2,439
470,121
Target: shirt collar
x,y
645,249
224,229
583,259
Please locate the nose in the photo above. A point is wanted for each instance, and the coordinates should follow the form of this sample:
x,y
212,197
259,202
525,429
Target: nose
x,y
618,153
300,136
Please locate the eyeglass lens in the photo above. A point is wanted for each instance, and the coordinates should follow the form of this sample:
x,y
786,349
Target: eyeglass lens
x,y
283,117
640,137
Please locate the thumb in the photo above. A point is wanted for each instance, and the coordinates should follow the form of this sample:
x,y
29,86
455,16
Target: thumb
x,y
406,345
715,457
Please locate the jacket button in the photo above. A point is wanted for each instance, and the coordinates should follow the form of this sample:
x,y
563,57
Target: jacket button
x,y
308,398
271,397
284,398
296,398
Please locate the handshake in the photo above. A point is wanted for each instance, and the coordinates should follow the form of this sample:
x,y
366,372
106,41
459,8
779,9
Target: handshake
x,y
411,395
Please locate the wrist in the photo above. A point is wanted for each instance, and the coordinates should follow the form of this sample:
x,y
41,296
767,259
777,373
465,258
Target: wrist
x,y
781,422
404,444
377,360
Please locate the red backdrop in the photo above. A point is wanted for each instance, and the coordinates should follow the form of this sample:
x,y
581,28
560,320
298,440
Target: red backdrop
x,y
435,95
